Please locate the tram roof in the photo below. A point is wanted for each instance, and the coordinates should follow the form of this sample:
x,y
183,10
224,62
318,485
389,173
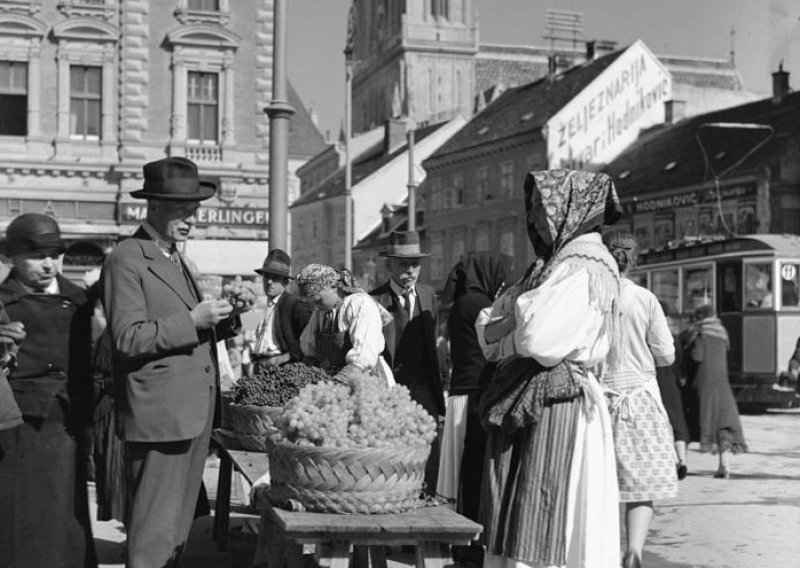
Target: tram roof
x,y
776,245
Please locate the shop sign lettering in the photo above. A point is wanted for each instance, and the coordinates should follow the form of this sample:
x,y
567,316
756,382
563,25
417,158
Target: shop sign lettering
x,y
686,199
604,118
237,216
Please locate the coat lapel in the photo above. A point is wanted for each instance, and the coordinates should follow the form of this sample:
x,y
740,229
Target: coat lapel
x,y
163,269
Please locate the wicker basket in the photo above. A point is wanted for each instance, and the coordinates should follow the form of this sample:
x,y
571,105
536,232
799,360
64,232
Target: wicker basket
x,y
350,481
249,425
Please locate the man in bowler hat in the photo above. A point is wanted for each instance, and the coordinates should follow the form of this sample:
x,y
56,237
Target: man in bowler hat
x,y
164,338
411,348
278,334
44,507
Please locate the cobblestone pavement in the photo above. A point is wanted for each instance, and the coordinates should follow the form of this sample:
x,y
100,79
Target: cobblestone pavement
x,y
750,520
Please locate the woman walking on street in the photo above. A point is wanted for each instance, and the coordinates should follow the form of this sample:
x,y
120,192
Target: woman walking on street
x,y
643,439
669,387
706,349
550,494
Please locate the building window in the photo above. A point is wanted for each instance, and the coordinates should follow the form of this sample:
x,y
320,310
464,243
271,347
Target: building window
x,y
458,249
507,245
481,183
458,189
204,5
482,239
437,269
14,98
85,102
440,8
507,178
203,107
436,194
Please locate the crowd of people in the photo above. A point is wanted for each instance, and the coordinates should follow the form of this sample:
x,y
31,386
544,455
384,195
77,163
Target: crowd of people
x,y
567,393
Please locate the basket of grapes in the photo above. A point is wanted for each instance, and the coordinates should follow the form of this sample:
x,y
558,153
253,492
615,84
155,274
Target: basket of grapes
x,y
351,448
257,399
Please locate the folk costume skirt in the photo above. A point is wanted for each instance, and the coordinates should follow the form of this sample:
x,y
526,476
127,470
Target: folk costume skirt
x,y
452,447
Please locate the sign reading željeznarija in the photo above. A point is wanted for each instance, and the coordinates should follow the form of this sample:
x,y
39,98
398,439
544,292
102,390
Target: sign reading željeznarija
x,y
608,114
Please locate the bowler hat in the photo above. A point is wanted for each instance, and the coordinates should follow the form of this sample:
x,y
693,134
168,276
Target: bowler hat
x,y
404,244
277,263
174,179
30,232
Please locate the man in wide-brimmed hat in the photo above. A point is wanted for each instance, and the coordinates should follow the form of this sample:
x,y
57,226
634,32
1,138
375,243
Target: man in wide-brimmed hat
x,y
164,338
411,339
278,335
46,324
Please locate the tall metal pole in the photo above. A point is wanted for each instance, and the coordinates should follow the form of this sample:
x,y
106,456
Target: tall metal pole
x,y
412,184
348,163
279,112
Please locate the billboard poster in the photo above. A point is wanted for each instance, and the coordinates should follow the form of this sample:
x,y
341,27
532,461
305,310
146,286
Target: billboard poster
x,y
607,115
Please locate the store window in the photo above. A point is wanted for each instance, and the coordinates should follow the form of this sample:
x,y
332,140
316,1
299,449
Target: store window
x,y
698,287
85,102
664,284
203,107
14,98
758,285
790,285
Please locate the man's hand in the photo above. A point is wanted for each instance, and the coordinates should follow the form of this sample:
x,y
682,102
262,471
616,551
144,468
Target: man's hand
x,y
13,332
209,313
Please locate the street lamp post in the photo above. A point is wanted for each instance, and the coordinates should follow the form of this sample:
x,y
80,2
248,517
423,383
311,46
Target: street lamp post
x,y
348,163
279,112
412,184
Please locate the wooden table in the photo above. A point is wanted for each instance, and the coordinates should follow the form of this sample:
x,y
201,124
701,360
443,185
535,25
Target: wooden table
x,y
251,465
283,534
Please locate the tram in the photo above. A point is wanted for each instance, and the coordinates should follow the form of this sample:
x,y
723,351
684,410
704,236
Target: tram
x,y
753,281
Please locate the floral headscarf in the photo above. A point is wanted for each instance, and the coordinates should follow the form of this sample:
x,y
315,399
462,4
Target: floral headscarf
x,y
316,277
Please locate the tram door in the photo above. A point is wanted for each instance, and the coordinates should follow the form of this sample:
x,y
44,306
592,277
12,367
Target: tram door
x,y
729,308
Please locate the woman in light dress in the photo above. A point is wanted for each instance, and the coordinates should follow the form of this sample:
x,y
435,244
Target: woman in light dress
x,y
550,486
643,438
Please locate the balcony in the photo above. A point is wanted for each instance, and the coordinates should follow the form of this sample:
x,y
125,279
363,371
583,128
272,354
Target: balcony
x,y
202,153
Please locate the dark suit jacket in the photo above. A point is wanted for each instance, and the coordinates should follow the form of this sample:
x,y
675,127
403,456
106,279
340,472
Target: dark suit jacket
x,y
429,312
163,367
291,317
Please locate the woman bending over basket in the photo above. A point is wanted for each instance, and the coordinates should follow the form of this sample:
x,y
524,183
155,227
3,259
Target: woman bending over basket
x,y
345,331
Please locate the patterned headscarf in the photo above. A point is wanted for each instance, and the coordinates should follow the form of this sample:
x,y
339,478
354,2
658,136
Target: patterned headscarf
x,y
347,283
316,277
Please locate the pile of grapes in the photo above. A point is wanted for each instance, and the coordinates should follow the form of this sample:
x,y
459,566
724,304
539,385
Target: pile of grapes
x,y
275,386
239,294
364,413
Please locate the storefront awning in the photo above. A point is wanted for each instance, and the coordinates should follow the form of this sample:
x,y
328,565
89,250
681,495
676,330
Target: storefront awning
x,y
226,258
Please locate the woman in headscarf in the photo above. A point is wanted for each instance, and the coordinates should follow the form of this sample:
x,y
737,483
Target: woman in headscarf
x,y
642,434
550,486
475,283
707,344
345,332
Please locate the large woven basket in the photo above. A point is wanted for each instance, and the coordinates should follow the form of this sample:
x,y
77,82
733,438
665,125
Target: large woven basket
x,y
350,481
249,425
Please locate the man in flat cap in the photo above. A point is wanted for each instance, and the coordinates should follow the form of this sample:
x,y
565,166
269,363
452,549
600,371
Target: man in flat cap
x,y
411,347
164,338
44,508
278,334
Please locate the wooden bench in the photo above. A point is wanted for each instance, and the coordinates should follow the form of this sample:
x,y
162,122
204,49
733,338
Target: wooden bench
x,y
251,465
283,534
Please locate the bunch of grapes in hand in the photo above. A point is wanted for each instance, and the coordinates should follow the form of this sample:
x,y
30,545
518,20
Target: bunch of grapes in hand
x,y
239,294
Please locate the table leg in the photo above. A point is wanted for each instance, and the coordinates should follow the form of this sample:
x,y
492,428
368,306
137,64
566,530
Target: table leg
x,y
360,556
340,555
429,555
222,509
377,555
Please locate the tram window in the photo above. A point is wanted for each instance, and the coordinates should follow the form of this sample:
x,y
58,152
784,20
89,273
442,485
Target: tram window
x,y
664,284
729,286
698,287
790,284
758,285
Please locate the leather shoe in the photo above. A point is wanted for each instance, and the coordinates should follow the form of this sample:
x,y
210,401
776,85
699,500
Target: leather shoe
x,y
683,471
723,473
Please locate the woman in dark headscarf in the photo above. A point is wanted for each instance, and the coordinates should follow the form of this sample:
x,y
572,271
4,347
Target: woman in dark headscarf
x,y
550,494
476,283
707,345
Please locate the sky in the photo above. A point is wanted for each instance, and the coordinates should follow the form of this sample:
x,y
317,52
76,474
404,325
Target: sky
x,y
766,32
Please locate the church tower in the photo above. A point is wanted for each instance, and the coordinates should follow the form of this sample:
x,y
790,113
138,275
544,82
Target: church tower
x,y
412,58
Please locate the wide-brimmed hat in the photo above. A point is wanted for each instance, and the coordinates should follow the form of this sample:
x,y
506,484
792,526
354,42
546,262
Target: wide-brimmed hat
x,y
404,244
31,232
277,263
174,179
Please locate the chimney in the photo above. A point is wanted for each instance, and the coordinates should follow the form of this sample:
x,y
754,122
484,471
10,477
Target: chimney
x,y
780,83
604,46
674,111
591,50
394,134
314,116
